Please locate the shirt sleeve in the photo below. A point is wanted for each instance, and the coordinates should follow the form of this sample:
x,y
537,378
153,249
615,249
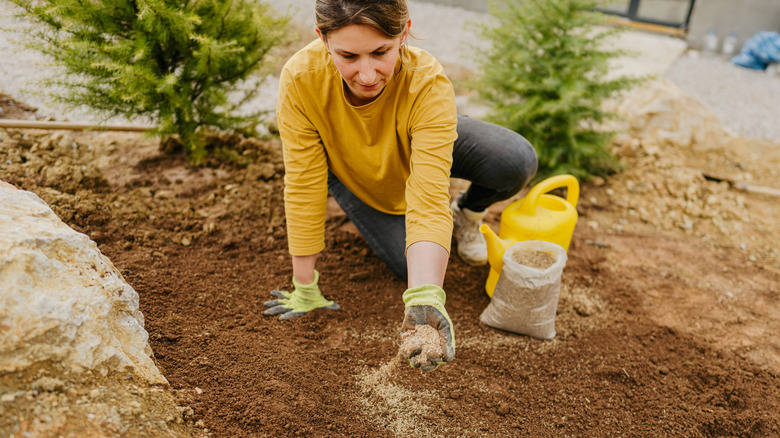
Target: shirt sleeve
x,y
306,172
433,130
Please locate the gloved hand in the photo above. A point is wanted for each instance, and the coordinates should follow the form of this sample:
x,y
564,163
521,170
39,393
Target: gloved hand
x,y
304,298
425,305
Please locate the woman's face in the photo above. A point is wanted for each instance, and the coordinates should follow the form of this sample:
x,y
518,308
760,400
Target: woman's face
x,y
365,58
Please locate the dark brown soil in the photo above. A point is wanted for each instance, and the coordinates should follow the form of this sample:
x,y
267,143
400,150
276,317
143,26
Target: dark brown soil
x,y
660,333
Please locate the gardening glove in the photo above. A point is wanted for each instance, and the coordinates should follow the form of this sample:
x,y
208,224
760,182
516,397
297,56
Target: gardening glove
x,y
425,305
304,298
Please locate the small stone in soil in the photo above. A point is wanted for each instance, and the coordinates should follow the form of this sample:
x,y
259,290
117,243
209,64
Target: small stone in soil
x,y
424,338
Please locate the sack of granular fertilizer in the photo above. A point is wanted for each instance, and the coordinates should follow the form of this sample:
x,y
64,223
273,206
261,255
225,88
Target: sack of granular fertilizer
x,y
526,296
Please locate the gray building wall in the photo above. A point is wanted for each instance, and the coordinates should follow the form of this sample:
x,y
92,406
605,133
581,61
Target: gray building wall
x,y
746,17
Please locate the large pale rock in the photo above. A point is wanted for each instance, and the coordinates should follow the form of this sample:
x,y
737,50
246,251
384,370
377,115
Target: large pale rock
x,y
61,300
660,112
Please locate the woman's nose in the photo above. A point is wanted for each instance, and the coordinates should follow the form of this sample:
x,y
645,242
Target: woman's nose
x,y
367,73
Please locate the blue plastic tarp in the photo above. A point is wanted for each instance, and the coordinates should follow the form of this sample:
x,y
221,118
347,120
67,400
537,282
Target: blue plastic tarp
x,y
759,51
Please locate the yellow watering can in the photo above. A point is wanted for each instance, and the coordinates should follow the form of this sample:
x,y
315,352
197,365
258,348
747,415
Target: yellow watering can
x,y
538,216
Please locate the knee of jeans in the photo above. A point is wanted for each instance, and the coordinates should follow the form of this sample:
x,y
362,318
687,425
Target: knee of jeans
x,y
519,166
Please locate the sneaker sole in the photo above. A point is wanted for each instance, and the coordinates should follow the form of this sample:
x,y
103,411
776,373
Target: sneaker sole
x,y
470,262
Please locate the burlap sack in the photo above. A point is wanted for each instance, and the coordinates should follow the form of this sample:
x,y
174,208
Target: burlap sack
x,y
525,298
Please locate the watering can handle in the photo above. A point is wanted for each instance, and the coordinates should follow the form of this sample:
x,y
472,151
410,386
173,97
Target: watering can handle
x,y
528,205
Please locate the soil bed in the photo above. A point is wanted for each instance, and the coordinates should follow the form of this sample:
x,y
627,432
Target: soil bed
x,y
662,330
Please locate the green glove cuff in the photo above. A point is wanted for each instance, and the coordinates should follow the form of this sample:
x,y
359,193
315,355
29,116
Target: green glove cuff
x,y
426,295
308,291
307,297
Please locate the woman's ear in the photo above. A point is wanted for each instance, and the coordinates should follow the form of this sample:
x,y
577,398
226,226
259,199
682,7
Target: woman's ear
x,y
405,35
324,41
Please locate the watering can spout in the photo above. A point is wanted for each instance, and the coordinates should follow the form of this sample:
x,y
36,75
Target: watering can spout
x,y
495,247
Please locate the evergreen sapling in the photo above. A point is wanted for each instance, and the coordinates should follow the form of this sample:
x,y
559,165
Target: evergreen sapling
x,y
177,63
545,76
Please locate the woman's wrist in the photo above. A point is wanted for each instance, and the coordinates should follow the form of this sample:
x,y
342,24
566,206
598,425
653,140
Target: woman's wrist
x,y
426,263
303,268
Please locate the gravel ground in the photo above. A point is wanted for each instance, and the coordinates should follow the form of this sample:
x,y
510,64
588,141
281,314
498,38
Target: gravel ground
x,y
746,101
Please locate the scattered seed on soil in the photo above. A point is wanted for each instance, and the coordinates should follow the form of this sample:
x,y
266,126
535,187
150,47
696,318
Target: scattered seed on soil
x,y
425,338
399,408
381,375
535,259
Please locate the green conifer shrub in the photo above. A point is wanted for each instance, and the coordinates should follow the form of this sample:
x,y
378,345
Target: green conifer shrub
x,y
545,77
177,63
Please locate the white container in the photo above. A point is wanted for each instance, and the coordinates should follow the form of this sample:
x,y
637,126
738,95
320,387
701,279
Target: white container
x,y
729,45
710,43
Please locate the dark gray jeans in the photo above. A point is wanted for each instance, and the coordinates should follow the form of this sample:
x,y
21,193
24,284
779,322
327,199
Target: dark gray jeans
x,y
497,161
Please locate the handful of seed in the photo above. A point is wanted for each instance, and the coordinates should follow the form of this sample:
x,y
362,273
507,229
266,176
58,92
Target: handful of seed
x,y
425,339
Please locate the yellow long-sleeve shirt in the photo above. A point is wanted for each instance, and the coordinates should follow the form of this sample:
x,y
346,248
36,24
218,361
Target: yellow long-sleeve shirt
x,y
394,153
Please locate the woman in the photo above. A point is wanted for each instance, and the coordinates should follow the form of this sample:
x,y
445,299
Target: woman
x,y
370,119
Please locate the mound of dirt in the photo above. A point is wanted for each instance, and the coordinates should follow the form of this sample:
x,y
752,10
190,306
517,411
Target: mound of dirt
x,y
686,183
88,405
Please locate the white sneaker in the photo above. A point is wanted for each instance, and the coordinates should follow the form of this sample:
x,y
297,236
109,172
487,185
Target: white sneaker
x,y
472,247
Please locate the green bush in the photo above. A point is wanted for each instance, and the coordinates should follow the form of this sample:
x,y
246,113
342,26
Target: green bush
x,y
545,77
178,63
